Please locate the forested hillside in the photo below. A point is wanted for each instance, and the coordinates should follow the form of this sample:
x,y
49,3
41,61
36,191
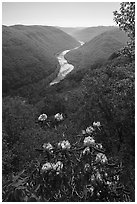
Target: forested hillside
x,y
73,141
87,34
98,49
29,53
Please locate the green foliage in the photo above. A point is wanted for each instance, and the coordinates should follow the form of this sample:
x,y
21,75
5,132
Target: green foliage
x,y
87,34
69,173
18,122
125,18
51,104
98,49
29,54
103,91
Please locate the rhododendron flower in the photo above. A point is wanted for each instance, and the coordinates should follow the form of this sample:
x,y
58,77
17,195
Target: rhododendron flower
x,y
64,144
48,147
96,124
58,166
42,117
47,166
86,150
88,141
100,157
89,130
58,117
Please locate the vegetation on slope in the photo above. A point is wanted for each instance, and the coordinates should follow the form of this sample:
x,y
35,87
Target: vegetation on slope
x,y
98,49
29,53
104,93
87,34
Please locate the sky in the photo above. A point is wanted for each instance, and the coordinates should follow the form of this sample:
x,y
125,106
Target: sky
x,y
66,14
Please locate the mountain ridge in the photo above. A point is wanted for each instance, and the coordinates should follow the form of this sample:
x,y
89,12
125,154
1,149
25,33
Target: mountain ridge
x,y
29,53
97,49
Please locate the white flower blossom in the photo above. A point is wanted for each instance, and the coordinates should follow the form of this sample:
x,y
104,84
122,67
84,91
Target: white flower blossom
x,y
100,157
58,117
86,150
47,166
89,130
88,141
58,166
42,117
48,147
64,144
96,124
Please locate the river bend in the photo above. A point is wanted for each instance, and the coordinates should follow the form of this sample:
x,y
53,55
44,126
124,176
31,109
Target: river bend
x,y
65,67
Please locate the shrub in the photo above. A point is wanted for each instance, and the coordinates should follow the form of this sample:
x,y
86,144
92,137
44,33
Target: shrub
x,y
70,172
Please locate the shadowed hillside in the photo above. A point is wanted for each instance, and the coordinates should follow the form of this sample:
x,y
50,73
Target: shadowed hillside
x,y
89,33
73,141
29,53
98,49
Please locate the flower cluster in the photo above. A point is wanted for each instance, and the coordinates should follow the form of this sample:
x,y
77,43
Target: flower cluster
x,y
89,130
89,141
48,147
64,144
58,166
52,166
96,124
42,117
47,167
58,117
100,157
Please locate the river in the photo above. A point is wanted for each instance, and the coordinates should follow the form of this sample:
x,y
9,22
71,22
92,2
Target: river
x,y
65,67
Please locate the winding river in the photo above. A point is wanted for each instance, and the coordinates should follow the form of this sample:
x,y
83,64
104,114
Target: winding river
x,y
65,67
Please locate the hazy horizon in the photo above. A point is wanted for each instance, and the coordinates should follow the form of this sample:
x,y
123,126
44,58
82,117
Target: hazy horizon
x,y
59,14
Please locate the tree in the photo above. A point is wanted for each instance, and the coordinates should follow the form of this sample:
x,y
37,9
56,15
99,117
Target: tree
x,y
125,19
